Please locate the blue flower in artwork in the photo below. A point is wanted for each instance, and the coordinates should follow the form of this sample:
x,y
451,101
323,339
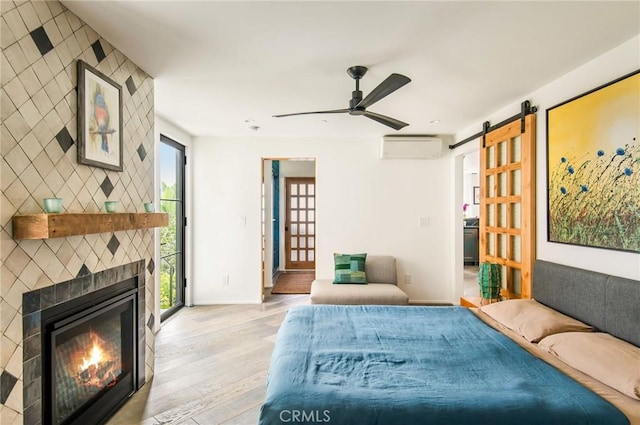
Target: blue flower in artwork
x,y
571,170
620,151
584,188
628,171
563,159
600,152
563,190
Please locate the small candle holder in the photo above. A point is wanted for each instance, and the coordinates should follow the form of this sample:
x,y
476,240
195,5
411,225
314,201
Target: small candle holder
x,y
110,206
52,205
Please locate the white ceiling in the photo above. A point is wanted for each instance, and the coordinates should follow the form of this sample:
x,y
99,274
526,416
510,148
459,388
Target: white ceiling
x,y
217,64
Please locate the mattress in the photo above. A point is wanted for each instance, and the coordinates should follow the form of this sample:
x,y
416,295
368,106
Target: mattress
x,y
415,365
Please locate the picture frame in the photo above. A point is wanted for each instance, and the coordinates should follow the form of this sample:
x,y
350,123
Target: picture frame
x,y
593,167
476,195
99,119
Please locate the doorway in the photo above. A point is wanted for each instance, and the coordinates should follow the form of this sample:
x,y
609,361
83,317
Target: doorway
x,y
172,237
288,232
471,222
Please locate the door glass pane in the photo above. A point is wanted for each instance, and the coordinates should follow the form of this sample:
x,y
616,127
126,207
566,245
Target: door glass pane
x,y
516,279
491,217
515,215
294,189
294,229
311,241
303,255
312,188
311,216
168,237
502,184
516,181
303,189
168,281
294,216
502,215
516,248
503,276
294,241
312,202
303,216
491,157
303,242
502,153
311,255
303,229
294,255
516,149
311,228
294,203
502,245
171,261
491,244
303,203
491,186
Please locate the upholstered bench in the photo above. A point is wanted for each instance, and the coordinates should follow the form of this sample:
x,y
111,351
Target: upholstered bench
x,y
381,289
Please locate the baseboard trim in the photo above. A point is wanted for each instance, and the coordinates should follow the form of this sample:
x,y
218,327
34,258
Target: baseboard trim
x,y
226,302
443,303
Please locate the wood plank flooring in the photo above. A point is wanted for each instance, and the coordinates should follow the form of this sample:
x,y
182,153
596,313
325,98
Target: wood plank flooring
x,y
211,366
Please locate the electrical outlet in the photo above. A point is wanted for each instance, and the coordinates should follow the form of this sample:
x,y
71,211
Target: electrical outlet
x,y
407,278
225,280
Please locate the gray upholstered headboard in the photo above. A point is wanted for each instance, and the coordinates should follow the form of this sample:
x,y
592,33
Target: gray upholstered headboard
x,y
611,304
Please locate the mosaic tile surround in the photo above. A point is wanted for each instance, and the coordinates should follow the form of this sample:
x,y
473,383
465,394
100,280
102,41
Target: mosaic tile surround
x,y
41,42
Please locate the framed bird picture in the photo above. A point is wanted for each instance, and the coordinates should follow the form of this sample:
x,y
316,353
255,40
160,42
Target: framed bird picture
x,y
99,119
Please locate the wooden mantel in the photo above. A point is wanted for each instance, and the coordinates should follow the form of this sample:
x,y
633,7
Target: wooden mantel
x,y
47,226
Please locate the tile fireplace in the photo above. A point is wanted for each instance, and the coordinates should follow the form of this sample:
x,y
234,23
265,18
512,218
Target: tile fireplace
x,y
84,347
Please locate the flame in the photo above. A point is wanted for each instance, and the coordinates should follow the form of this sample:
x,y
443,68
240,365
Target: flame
x,y
95,358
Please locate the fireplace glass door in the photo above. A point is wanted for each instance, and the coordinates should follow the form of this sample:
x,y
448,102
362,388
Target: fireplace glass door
x,y
92,359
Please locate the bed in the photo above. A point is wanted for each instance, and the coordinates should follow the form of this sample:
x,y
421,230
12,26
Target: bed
x,y
449,365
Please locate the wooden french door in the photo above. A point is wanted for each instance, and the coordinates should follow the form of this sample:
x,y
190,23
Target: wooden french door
x,y
507,204
300,223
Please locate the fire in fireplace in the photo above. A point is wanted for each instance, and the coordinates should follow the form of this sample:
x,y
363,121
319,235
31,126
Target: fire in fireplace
x,y
90,355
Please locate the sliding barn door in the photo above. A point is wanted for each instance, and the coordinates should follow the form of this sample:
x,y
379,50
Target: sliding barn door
x,y
507,203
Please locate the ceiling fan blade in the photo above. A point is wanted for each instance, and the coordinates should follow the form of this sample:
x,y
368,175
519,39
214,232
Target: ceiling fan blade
x,y
334,111
385,88
388,121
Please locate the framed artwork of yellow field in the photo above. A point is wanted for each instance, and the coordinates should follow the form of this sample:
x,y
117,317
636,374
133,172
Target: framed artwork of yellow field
x,y
593,167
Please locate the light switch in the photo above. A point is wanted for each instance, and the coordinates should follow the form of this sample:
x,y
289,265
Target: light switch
x,y
425,222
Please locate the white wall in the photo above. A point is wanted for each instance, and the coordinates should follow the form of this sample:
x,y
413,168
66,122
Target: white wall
x,y
613,64
176,134
471,180
363,204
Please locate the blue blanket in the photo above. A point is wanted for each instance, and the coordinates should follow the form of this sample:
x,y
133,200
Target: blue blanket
x,y
415,365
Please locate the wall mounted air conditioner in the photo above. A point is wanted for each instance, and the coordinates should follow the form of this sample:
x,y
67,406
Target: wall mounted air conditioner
x,y
411,147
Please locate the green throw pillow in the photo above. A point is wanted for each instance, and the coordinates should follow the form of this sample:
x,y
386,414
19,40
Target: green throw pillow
x,y
350,268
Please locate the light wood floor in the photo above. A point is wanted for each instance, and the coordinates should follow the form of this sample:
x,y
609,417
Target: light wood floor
x,y
211,366
470,281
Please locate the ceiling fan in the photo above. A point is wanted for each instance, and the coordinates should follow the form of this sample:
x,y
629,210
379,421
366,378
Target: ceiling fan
x,y
358,105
